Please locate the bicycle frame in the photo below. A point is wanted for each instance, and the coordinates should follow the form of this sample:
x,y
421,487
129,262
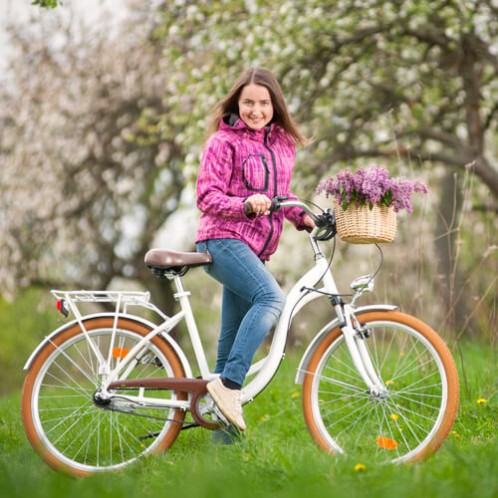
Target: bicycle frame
x,y
105,389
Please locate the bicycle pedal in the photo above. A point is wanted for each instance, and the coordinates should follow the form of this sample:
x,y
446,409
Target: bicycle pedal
x,y
220,415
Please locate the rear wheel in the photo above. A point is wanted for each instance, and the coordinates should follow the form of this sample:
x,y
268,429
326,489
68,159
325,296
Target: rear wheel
x,y
421,379
71,425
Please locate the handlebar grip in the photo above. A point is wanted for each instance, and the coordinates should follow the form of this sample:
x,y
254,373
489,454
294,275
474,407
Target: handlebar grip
x,y
247,208
275,202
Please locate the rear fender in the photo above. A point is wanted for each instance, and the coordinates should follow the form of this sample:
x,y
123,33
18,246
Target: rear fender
x,y
174,345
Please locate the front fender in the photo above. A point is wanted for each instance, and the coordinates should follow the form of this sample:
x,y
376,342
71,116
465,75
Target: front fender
x,y
325,330
181,355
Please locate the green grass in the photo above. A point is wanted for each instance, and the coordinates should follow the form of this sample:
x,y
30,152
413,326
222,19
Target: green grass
x,y
278,457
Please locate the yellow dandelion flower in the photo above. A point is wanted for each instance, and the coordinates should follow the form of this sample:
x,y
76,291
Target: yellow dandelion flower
x,y
482,401
264,418
389,382
394,417
455,434
295,395
360,467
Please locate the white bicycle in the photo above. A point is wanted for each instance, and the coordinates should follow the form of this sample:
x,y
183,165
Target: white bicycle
x,y
108,388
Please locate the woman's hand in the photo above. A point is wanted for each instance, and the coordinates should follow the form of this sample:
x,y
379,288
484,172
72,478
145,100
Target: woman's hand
x,y
259,204
308,223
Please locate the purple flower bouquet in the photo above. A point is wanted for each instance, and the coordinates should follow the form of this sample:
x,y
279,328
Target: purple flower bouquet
x,y
367,202
370,187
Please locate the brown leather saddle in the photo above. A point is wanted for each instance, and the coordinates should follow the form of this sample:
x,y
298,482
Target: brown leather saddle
x,y
164,262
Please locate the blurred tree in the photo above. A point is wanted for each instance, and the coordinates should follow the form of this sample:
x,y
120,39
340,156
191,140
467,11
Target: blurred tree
x,y
86,182
415,82
397,79
410,83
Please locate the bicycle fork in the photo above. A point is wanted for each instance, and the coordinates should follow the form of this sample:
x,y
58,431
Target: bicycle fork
x,y
360,355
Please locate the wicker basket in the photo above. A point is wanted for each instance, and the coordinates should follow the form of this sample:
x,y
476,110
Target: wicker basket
x,y
362,225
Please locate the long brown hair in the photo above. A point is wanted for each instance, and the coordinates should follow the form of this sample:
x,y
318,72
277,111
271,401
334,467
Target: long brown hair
x,y
264,77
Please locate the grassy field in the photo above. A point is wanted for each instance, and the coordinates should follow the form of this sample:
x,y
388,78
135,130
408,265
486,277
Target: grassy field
x,y
278,457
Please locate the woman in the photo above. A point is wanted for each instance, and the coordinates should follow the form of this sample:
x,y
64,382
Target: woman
x,y
247,160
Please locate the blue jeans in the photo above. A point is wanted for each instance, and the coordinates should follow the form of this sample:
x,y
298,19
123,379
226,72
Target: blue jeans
x,y
252,304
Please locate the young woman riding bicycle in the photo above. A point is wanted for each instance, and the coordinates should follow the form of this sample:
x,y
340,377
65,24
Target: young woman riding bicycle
x,y
247,161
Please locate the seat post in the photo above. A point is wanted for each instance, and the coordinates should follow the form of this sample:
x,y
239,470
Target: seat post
x,y
182,296
180,291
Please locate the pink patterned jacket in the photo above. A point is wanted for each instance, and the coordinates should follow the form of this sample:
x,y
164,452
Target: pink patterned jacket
x,y
238,162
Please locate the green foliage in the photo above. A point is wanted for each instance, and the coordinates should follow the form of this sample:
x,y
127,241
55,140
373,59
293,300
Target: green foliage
x,y
51,4
278,457
23,322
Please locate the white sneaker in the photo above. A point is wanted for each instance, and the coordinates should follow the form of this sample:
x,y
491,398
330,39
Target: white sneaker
x,y
228,401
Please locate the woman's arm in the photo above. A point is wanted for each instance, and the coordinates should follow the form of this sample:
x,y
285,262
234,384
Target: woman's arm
x,y
214,179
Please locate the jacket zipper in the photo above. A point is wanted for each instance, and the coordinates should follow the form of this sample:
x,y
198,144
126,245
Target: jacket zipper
x,y
270,217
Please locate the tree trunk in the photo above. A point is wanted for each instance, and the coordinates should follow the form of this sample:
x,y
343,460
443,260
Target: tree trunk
x,y
161,291
454,306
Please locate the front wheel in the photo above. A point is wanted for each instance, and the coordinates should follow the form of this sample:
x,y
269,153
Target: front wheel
x,y
71,425
409,422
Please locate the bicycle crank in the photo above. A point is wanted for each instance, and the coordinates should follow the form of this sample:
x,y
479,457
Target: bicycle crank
x,y
202,407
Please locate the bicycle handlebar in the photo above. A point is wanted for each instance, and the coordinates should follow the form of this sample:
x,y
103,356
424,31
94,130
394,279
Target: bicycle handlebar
x,y
325,222
282,201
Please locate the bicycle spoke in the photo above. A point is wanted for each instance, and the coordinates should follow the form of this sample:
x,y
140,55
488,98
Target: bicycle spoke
x,y
75,365
345,385
74,422
351,410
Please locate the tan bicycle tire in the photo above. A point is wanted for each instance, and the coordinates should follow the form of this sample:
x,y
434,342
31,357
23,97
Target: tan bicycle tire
x,y
442,351
69,334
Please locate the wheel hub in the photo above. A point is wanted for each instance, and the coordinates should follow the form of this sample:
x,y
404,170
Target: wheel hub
x,y
378,395
101,400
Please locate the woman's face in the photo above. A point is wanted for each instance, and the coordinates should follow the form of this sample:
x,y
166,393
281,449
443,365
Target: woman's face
x,y
255,106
